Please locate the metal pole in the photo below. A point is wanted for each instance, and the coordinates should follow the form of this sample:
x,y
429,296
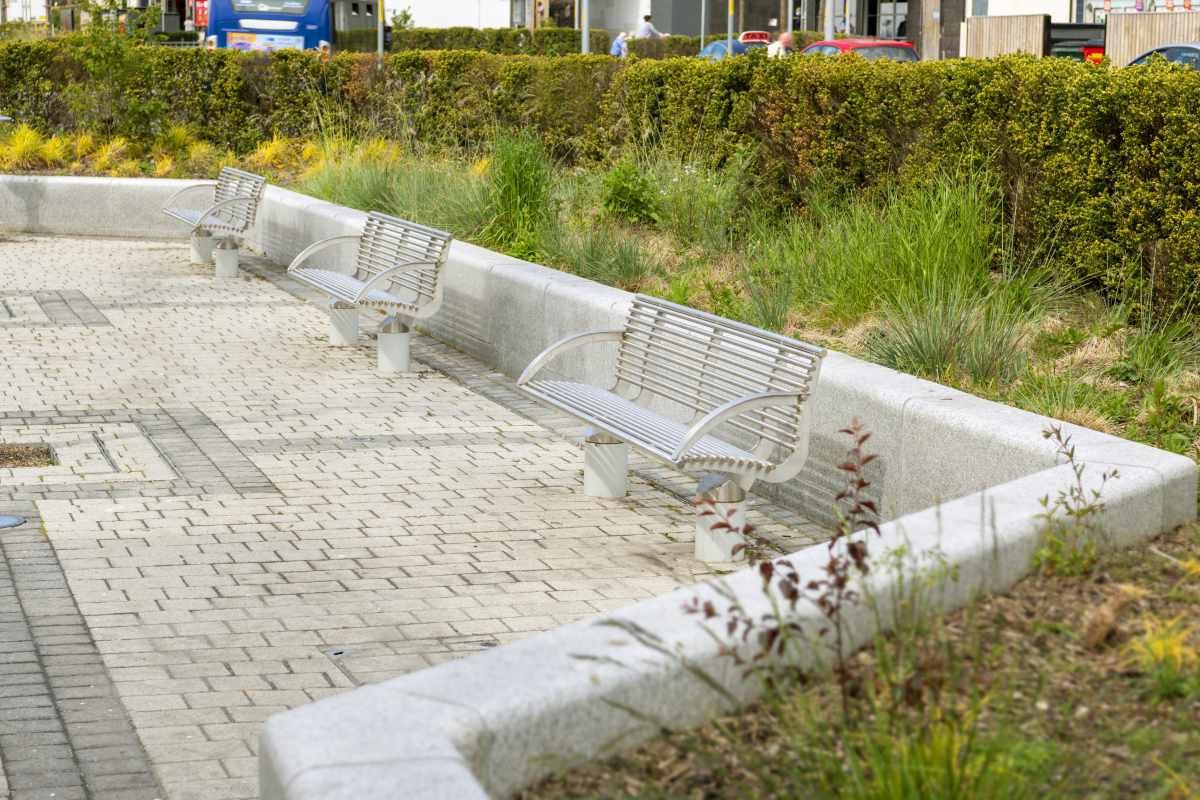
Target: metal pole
x,y
379,29
829,19
791,15
729,32
586,46
703,22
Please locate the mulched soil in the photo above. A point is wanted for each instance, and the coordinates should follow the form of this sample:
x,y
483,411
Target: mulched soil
x,y
25,455
1088,707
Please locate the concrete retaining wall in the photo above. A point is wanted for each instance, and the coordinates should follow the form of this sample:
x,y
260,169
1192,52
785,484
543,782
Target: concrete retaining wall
x,y
495,721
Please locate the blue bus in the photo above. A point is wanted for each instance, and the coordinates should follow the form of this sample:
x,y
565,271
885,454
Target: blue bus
x,y
267,25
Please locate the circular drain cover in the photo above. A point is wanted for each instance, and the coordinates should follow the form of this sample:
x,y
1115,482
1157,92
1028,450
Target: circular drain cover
x,y
10,522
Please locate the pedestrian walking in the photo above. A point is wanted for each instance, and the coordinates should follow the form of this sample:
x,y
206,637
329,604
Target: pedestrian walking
x,y
647,30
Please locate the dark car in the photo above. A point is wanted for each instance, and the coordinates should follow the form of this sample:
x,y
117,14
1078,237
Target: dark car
x,y
1187,54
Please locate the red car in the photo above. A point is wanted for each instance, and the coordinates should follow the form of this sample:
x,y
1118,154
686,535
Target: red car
x,y
870,49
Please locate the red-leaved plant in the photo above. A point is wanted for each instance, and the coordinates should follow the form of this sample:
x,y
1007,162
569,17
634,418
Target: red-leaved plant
x,y
833,593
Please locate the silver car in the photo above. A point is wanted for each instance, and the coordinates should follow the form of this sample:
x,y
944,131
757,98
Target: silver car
x,y
1187,54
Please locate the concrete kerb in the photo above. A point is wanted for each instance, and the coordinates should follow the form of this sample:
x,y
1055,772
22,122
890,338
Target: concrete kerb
x,y
494,722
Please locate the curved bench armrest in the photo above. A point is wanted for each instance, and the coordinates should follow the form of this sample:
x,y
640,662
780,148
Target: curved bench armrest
x,y
733,408
409,266
316,247
569,343
185,190
233,201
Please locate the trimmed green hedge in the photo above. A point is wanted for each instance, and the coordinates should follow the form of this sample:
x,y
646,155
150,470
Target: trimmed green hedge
x,y
507,41
1101,166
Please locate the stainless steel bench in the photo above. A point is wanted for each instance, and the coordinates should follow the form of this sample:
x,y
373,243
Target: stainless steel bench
x,y
235,196
397,270
695,391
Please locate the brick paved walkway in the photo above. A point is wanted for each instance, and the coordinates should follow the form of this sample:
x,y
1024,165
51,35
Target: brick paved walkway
x,y
243,519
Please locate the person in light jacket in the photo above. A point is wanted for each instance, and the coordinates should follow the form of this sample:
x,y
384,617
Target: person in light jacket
x,y
620,45
647,30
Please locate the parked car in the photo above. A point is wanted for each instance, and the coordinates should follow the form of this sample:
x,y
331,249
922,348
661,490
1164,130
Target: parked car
x,y
1187,54
1089,50
715,51
870,49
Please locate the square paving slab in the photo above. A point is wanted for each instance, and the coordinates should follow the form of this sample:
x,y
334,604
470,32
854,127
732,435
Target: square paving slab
x,y
242,518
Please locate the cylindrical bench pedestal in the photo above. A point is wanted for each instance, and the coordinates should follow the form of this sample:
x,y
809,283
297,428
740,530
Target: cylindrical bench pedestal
x,y
605,466
343,326
394,352
225,259
202,247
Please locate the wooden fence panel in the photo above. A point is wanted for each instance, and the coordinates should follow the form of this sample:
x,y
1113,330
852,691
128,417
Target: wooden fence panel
x,y
1127,36
983,37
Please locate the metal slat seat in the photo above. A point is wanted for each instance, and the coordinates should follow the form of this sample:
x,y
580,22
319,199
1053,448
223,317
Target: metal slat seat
x,y
646,430
346,288
398,268
742,391
232,209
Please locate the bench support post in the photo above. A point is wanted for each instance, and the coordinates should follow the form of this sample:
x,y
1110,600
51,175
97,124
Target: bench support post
x,y
393,346
605,465
343,324
720,520
225,259
202,246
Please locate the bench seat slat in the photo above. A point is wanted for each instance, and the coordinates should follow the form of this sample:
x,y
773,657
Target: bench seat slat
x,y
191,216
640,427
346,288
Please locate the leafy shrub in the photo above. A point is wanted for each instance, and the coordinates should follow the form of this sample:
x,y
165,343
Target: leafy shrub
x,y
629,194
518,195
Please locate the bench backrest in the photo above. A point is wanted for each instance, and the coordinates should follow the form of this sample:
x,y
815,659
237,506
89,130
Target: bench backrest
x,y
700,361
233,183
390,241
